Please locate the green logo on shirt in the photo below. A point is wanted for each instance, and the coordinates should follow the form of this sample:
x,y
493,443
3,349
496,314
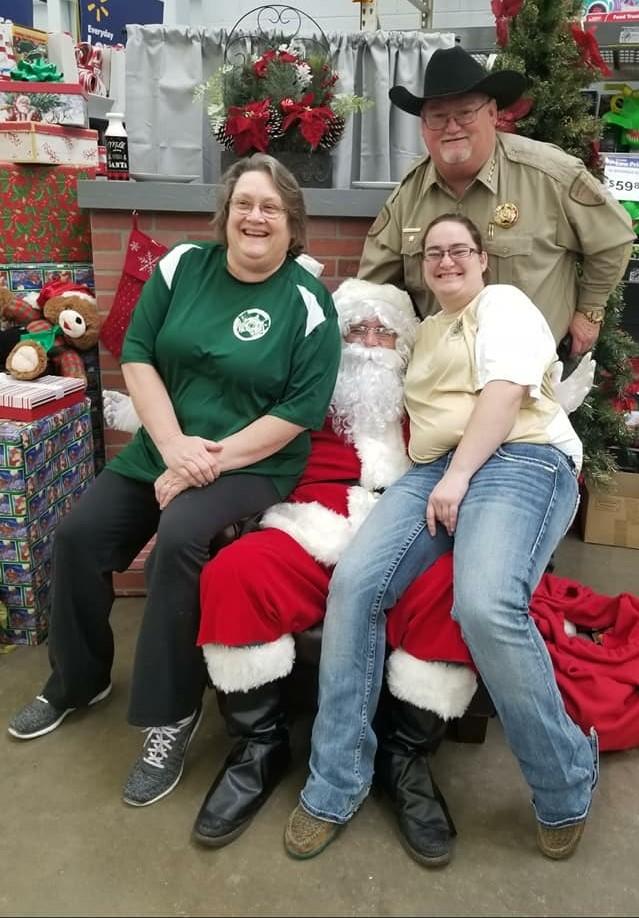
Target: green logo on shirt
x,y
251,324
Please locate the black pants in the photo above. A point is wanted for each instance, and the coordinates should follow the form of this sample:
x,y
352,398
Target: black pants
x,y
103,533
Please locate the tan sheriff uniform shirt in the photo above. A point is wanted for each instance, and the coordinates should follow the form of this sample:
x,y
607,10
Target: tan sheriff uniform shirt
x,y
560,213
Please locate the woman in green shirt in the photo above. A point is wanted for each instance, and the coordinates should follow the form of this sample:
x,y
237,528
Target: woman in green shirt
x,y
230,358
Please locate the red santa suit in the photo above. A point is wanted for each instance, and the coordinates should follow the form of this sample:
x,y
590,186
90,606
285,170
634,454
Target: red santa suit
x,y
270,584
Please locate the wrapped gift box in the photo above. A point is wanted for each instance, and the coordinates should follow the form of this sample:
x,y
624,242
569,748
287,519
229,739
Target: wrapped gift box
x,y
32,142
50,103
28,400
30,276
39,214
44,467
29,44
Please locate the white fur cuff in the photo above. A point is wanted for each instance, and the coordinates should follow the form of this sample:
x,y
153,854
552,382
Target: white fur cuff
x,y
239,669
323,533
444,688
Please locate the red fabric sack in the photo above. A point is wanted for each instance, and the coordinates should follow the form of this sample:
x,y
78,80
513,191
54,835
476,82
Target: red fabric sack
x,y
142,255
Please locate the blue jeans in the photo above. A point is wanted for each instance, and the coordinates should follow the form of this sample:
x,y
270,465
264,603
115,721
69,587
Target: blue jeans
x,y
517,508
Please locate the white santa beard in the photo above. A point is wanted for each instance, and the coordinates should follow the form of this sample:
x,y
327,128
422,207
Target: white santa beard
x,y
369,392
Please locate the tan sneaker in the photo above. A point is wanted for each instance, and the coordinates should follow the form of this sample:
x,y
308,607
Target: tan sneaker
x,y
559,843
306,835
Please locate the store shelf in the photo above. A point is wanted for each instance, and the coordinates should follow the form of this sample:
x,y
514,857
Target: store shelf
x,y
99,106
619,42
200,198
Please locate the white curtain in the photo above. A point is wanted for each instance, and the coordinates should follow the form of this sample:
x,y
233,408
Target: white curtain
x,y
169,133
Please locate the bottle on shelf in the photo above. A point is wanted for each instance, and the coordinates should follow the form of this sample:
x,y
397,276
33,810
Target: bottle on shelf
x,y
117,150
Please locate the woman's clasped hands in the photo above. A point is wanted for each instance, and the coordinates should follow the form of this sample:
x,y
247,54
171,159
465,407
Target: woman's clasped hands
x,y
191,462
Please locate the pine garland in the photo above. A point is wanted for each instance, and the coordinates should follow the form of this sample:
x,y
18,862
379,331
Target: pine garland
x,y
541,46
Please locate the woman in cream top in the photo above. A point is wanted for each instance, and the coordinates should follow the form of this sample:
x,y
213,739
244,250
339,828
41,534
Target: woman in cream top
x,y
494,478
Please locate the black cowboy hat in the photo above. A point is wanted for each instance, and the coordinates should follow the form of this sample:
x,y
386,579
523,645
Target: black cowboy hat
x,y
453,71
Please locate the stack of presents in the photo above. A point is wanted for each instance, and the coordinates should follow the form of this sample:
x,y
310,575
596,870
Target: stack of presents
x,y
51,434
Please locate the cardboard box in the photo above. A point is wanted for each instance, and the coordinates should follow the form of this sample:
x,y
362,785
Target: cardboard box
x,y
612,518
49,103
51,144
44,467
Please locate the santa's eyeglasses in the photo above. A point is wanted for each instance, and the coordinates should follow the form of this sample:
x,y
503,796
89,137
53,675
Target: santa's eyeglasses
x,y
380,331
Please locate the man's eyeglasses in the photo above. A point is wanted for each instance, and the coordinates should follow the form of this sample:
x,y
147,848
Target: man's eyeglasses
x,y
434,254
437,121
380,331
269,210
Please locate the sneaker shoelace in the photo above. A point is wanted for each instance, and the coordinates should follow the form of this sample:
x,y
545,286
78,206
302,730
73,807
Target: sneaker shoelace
x,y
159,741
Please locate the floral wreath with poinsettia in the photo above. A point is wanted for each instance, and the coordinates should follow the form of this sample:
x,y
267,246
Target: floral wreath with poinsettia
x,y
278,101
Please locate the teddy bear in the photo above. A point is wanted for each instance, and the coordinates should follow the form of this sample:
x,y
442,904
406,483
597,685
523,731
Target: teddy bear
x,y
62,321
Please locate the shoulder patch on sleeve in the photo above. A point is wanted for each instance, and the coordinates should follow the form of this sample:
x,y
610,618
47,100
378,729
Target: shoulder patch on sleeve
x,y
587,190
381,220
169,262
314,312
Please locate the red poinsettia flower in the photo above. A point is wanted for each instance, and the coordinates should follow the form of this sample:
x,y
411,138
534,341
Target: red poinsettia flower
x,y
507,118
313,122
248,126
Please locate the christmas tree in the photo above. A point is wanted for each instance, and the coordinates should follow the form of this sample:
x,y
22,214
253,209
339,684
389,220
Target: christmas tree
x,y
544,40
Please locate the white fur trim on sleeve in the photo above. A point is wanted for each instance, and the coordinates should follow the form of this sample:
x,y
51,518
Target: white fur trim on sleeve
x,y
240,669
322,532
383,458
360,504
445,688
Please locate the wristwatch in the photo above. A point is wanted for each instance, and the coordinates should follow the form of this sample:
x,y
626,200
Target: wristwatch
x,y
595,315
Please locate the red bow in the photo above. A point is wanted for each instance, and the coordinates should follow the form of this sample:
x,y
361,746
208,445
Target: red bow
x,y
589,49
314,122
507,118
247,125
504,11
261,64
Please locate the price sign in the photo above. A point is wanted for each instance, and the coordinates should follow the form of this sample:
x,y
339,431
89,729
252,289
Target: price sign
x,y
622,176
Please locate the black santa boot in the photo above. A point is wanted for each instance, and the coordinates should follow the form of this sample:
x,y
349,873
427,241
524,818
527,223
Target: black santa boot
x,y
407,737
253,768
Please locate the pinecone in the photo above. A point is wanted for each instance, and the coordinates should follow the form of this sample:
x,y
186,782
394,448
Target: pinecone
x,y
333,134
223,138
274,126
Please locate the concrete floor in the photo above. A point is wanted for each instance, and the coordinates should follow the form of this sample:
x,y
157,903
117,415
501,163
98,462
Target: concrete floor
x,y
71,847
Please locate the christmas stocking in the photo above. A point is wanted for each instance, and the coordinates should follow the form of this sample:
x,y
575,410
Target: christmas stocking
x,y
142,255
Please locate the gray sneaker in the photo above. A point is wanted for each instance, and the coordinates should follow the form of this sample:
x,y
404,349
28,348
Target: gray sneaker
x,y
160,767
40,717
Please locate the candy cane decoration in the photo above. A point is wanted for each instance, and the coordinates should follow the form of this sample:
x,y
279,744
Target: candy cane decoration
x,y
89,60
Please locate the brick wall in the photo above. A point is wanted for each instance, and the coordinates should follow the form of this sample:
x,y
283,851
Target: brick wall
x,y
335,242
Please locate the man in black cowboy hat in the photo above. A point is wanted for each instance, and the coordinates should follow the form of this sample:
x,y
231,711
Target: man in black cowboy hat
x,y
540,211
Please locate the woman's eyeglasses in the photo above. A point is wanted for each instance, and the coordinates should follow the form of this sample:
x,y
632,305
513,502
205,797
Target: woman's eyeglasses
x,y
434,254
268,210
380,331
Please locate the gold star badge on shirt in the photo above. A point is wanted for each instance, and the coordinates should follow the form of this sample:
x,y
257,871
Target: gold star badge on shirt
x,y
506,215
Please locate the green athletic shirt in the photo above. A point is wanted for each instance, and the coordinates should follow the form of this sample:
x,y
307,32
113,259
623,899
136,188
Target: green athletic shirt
x,y
230,352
